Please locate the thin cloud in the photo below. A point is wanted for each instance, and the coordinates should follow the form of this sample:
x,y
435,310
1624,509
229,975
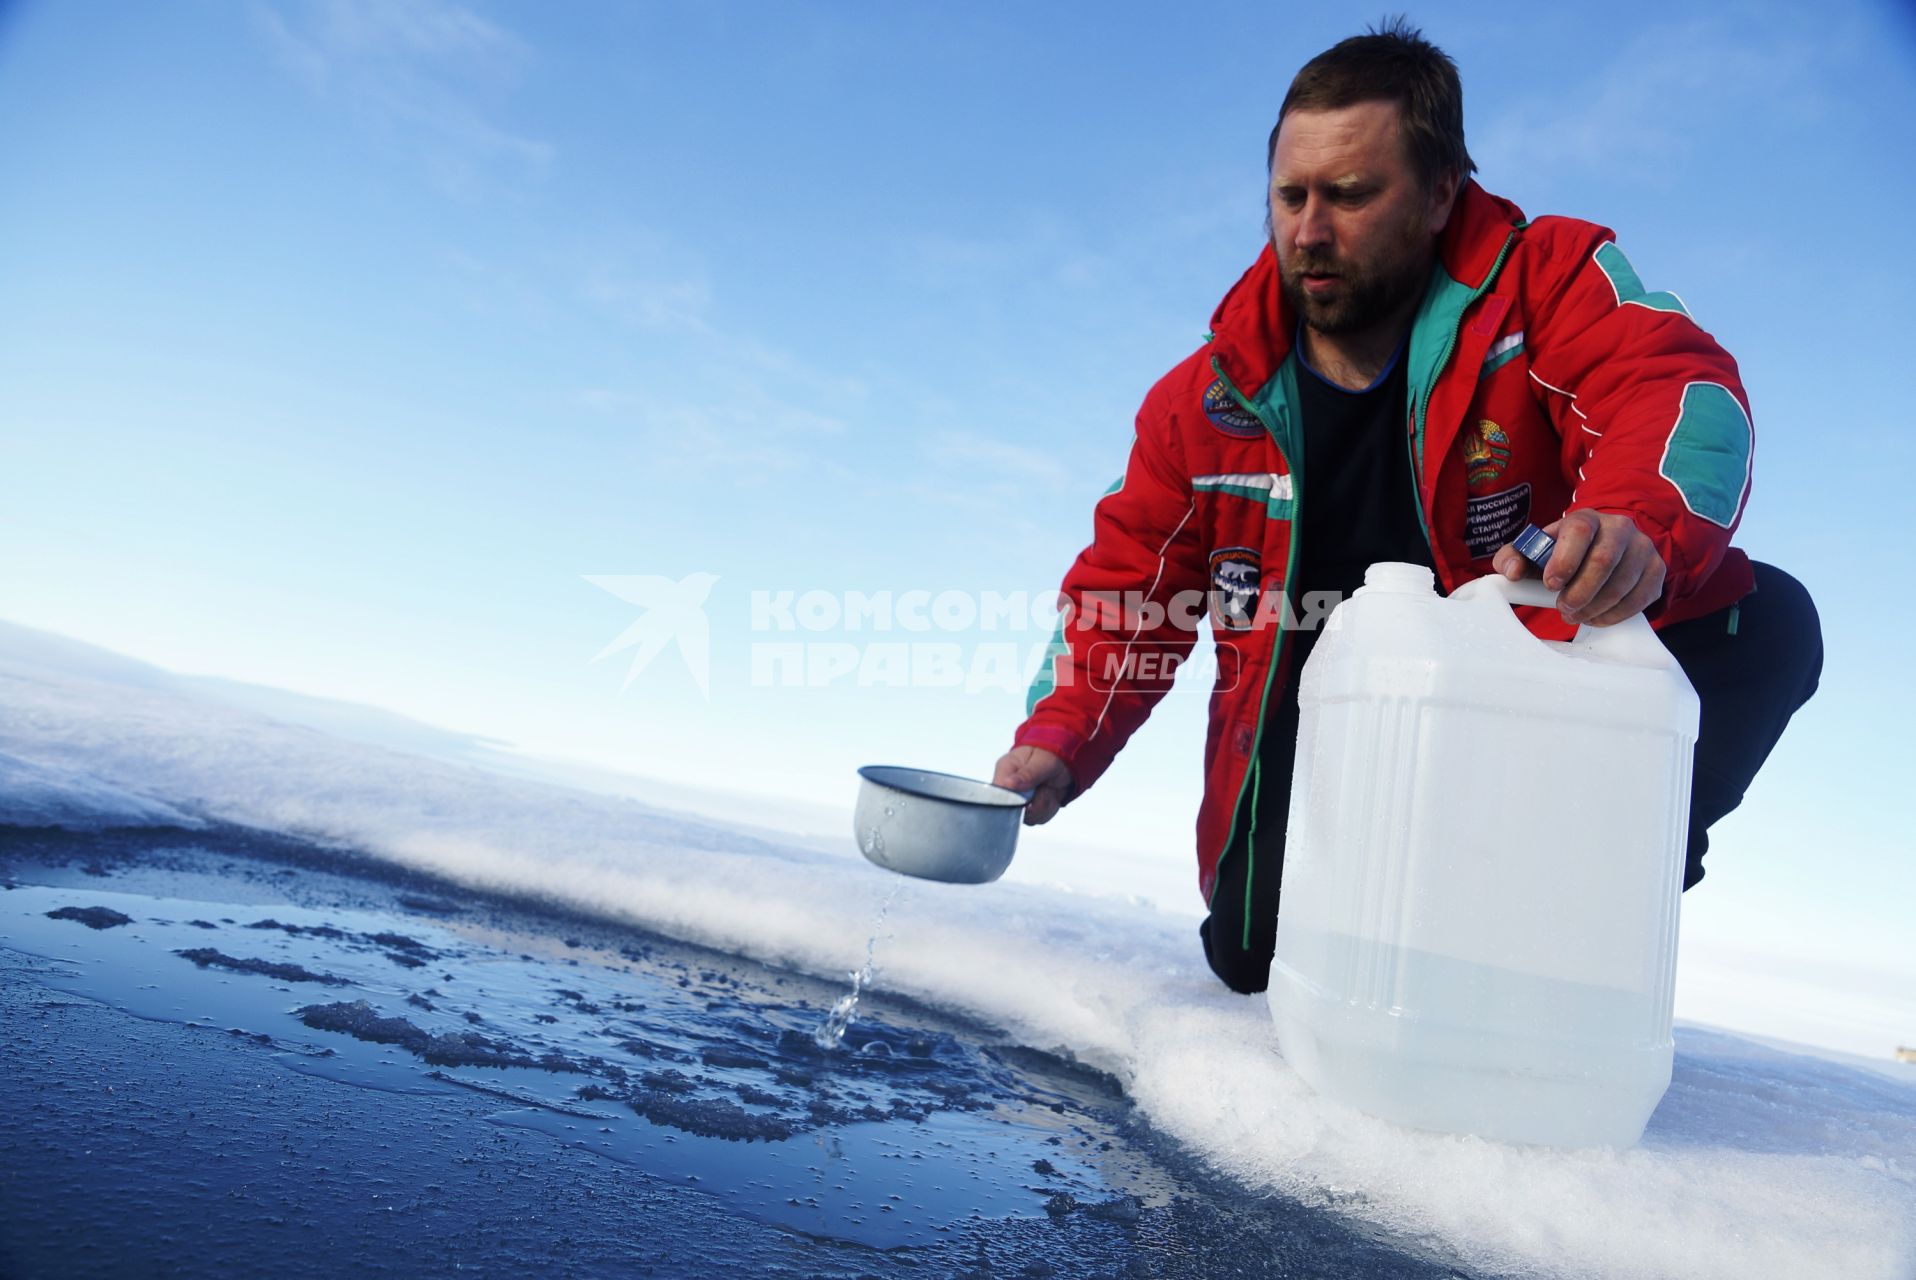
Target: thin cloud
x,y
1646,111
681,385
749,434
661,301
640,277
422,73
1046,252
996,458
428,28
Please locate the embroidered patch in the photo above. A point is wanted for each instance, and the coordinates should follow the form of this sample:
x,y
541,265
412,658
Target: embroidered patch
x,y
1486,454
1236,574
1493,519
1227,415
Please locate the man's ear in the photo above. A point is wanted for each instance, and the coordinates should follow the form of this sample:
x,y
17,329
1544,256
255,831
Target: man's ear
x,y
1443,198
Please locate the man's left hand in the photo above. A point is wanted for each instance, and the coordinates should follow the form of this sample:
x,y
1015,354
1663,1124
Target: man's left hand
x,y
1604,569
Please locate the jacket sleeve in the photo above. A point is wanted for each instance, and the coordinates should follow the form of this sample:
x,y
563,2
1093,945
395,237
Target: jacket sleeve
x,y
1654,418
1129,608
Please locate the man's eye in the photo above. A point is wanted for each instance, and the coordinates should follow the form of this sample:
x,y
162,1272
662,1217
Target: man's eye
x,y
1290,199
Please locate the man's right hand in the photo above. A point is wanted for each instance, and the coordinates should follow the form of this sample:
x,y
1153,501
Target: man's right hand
x,y
1041,773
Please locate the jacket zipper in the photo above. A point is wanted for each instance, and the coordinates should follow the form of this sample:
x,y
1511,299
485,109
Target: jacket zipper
x,y
1414,443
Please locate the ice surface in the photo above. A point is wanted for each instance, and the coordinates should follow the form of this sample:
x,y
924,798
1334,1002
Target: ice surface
x,y
1758,1162
698,1069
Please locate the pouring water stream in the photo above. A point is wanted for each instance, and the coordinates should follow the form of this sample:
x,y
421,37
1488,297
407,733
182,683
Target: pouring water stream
x,y
831,1030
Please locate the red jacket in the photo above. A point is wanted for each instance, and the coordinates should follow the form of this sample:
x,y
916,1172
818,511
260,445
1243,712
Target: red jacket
x,y
1543,379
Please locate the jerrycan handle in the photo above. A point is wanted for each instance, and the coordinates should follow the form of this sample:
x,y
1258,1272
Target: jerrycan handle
x,y
1632,640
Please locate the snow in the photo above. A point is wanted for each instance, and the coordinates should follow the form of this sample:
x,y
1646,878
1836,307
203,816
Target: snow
x,y
1760,1162
41,794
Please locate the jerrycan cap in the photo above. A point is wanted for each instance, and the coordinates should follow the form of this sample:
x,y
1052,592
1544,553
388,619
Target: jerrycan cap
x,y
1399,579
1534,545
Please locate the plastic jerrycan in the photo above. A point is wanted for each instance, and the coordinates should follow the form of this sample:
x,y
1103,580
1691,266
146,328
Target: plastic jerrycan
x,y
1477,929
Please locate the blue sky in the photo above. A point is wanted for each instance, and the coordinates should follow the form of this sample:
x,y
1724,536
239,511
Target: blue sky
x,y
340,344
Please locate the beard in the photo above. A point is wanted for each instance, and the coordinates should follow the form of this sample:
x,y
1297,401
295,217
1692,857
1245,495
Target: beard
x,y
1367,293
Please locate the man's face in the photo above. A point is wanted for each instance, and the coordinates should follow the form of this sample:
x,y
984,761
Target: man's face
x,y
1353,228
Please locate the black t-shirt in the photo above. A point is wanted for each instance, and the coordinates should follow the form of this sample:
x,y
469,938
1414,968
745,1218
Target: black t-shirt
x,y
1359,503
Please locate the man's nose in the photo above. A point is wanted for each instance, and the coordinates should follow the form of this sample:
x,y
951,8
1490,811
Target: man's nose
x,y
1313,229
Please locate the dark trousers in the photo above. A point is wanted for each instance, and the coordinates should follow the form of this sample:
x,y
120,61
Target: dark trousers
x,y
1752,666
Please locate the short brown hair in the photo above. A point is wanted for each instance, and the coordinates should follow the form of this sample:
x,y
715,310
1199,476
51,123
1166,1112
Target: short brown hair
x,y
1392,62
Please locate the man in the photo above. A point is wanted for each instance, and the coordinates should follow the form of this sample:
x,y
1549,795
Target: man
x,y
1411,371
